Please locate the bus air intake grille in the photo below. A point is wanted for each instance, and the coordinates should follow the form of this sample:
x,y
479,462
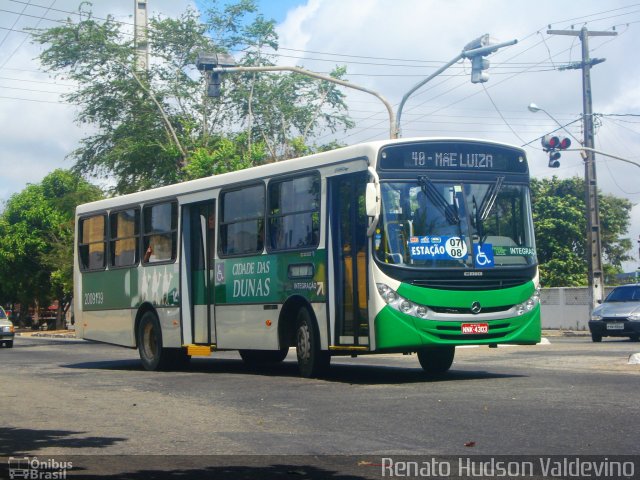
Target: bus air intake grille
x,y
467,311
467,284
456,328
487,336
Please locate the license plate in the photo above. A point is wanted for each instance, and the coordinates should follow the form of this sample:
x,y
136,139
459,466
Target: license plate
x,y
615,326
474,328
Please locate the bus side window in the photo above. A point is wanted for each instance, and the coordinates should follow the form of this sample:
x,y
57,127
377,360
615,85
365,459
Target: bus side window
x,y
92,242
242,220
160,237
294,213
124,238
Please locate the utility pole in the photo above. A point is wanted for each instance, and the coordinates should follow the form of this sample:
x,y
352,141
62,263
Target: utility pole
x,y
140,35
594,242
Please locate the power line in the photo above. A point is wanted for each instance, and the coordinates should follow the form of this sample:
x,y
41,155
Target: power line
x,y
37,101
14,23
500,113
37,81
71,13
25,38
29,90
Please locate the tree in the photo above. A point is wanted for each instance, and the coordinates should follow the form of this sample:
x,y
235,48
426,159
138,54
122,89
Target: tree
x,y
27,220
560,226
36,252
151,124
64,191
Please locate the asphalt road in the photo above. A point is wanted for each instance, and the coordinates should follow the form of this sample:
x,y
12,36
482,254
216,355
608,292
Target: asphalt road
x,y
70,397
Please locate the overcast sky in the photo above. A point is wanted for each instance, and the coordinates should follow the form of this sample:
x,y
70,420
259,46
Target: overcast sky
x,y
388,46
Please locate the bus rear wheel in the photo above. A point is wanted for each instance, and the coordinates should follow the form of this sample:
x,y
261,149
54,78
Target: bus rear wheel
x,y
312,361
436,360
149,334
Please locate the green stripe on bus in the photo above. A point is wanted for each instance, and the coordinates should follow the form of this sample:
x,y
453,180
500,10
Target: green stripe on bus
x,y
271,278
395,330
130,287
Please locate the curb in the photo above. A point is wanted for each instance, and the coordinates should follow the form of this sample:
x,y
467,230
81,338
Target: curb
x,y
46,335
565,333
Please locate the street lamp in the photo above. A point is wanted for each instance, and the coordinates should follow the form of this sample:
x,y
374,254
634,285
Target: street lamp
x,y
582,149
535,109
475,50
216,68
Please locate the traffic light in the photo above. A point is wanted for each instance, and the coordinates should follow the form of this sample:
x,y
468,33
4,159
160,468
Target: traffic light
x,y
554,161
478,65
551,144
213,84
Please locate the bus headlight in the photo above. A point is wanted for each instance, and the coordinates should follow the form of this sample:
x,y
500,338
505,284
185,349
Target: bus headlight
x,y
530,304
401,304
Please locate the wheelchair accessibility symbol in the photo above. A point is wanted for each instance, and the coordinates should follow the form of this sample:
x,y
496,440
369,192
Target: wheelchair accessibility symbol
x,y
483,255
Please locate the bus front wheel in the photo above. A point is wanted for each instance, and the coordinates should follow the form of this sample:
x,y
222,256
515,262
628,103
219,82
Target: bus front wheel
x,y
312,361
152,355
436,360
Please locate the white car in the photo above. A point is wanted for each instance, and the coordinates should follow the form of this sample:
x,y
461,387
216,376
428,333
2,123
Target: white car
x,y
618,315
7,331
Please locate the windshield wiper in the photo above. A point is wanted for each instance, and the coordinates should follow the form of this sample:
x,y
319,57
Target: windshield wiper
x,y
490,199
450,212
476,219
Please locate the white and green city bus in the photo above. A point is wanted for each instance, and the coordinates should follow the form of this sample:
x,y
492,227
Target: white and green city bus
x,y
401,246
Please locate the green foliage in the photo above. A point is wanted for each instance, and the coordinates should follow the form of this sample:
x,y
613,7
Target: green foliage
x,y
224,155
560,224
36,228
150,125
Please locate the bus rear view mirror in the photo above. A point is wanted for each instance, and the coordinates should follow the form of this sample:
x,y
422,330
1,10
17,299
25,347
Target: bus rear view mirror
x,y
371,199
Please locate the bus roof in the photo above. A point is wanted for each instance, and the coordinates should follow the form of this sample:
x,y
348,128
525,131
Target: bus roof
x,y
362,150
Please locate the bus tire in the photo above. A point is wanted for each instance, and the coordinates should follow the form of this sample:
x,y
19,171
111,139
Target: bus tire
x,y
596,338
436,360
312,361
9,343
256,358
149,336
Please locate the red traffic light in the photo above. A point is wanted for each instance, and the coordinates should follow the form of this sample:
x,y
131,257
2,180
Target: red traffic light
x,y
550,142
553,142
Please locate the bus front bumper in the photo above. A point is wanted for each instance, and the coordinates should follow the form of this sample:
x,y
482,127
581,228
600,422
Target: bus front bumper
x,y
395,330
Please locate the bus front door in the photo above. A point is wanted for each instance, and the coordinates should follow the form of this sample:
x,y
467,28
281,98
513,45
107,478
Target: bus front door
x,y
348,221
198,235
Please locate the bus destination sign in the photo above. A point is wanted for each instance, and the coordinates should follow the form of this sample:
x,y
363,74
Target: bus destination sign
x,y
456,156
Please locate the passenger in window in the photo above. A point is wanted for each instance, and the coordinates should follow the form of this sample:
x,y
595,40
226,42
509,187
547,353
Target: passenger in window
x,y
148,254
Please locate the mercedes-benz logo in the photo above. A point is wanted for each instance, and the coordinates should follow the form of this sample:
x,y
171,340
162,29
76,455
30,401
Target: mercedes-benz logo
x,y
476,308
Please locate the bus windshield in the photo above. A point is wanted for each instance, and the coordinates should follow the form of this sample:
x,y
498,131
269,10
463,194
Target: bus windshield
x,y
440,224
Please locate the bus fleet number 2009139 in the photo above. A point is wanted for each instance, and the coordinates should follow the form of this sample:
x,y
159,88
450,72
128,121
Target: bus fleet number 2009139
x,y
94,298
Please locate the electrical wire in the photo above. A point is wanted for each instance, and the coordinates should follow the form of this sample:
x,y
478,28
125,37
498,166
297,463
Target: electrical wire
x,y
14,23
34,100
40,19
500,113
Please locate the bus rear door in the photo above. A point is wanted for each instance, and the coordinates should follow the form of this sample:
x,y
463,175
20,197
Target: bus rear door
x,y
197,302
